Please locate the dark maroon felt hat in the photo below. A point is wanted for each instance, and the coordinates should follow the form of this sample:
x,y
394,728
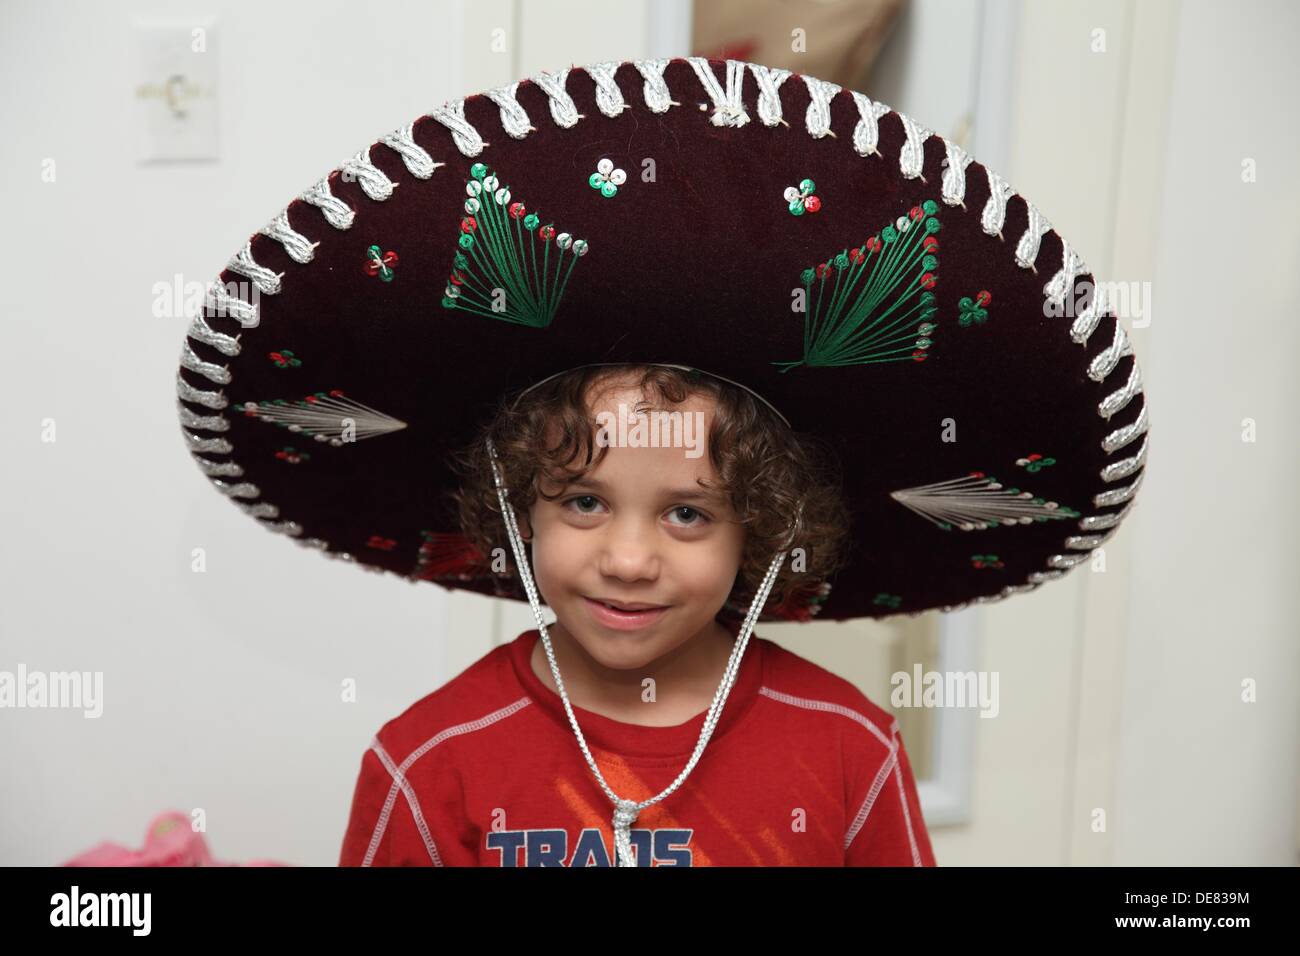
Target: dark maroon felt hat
x,y
868,279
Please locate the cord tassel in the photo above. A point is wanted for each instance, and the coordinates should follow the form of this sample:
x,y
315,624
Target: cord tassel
x,y
625,814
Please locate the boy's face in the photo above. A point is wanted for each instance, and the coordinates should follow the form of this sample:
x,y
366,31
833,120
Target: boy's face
x,y
639,530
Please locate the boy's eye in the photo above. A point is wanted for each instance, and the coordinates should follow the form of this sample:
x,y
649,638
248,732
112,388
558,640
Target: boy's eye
x,y
690,513
583,498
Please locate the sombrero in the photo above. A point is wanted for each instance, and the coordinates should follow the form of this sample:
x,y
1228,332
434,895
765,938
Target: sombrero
x,y
866,278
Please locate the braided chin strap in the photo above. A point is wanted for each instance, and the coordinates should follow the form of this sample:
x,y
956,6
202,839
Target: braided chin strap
x,y
626,811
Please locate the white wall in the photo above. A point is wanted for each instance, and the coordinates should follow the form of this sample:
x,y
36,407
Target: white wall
x,y
1203,777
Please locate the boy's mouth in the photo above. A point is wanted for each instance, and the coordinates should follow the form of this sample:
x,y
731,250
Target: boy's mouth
x,y
629,605
624,616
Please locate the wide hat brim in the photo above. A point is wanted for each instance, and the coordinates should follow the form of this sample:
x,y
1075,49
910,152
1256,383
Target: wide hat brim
x,y
984,402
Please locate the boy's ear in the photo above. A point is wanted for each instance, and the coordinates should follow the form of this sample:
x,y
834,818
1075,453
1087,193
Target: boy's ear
x,y
525,529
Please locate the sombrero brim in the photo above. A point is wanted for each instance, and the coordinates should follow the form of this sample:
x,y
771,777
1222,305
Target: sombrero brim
x,y
986,406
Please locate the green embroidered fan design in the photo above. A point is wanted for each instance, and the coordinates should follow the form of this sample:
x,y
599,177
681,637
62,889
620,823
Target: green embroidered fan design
x,y
497,261
880,305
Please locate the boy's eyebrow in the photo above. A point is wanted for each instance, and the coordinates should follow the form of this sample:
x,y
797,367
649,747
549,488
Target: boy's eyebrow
x,y
678,494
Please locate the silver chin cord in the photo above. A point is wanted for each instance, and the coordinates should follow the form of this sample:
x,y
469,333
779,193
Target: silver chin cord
x,y
626,811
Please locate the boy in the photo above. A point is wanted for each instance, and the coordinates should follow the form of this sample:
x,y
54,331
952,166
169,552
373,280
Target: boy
x,y
637,557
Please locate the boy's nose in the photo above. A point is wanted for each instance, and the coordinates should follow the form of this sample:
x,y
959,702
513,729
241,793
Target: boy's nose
x,y
630,552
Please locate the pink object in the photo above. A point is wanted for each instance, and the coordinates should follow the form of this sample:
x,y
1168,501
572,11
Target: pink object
x,y
170,841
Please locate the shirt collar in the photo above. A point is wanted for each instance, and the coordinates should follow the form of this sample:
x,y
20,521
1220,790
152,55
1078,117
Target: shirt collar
x,y
634,740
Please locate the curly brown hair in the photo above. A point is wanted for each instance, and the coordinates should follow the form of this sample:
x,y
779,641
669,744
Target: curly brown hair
x,y
784,487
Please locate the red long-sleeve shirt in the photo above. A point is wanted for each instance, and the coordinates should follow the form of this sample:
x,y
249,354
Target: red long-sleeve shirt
x,y
802,770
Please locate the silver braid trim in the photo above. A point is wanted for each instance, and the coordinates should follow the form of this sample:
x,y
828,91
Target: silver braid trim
x,y
563,110
200,331
187,392
218,469
336,212
374,183
261,510
1098,522
267,282
1087,320
1119,398
866,135
206,446
242,490
954,174
213,373
609,97
1122,436
299,247
1041,577
911,158
514,119
1085,542
207,423
728,106
1118,496
418,162
655,90
465,136
817,119
995,208
1062,284
1126,467
1105,362
1029,244
769,81
218,301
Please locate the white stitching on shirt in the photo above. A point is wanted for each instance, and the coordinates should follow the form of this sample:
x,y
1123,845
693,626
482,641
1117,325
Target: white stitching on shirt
x,y
826,705
881,774
399,775
902,797
891,762
865,809
399,780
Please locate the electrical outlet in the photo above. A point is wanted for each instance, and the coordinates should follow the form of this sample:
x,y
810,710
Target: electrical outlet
x,y
176,90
